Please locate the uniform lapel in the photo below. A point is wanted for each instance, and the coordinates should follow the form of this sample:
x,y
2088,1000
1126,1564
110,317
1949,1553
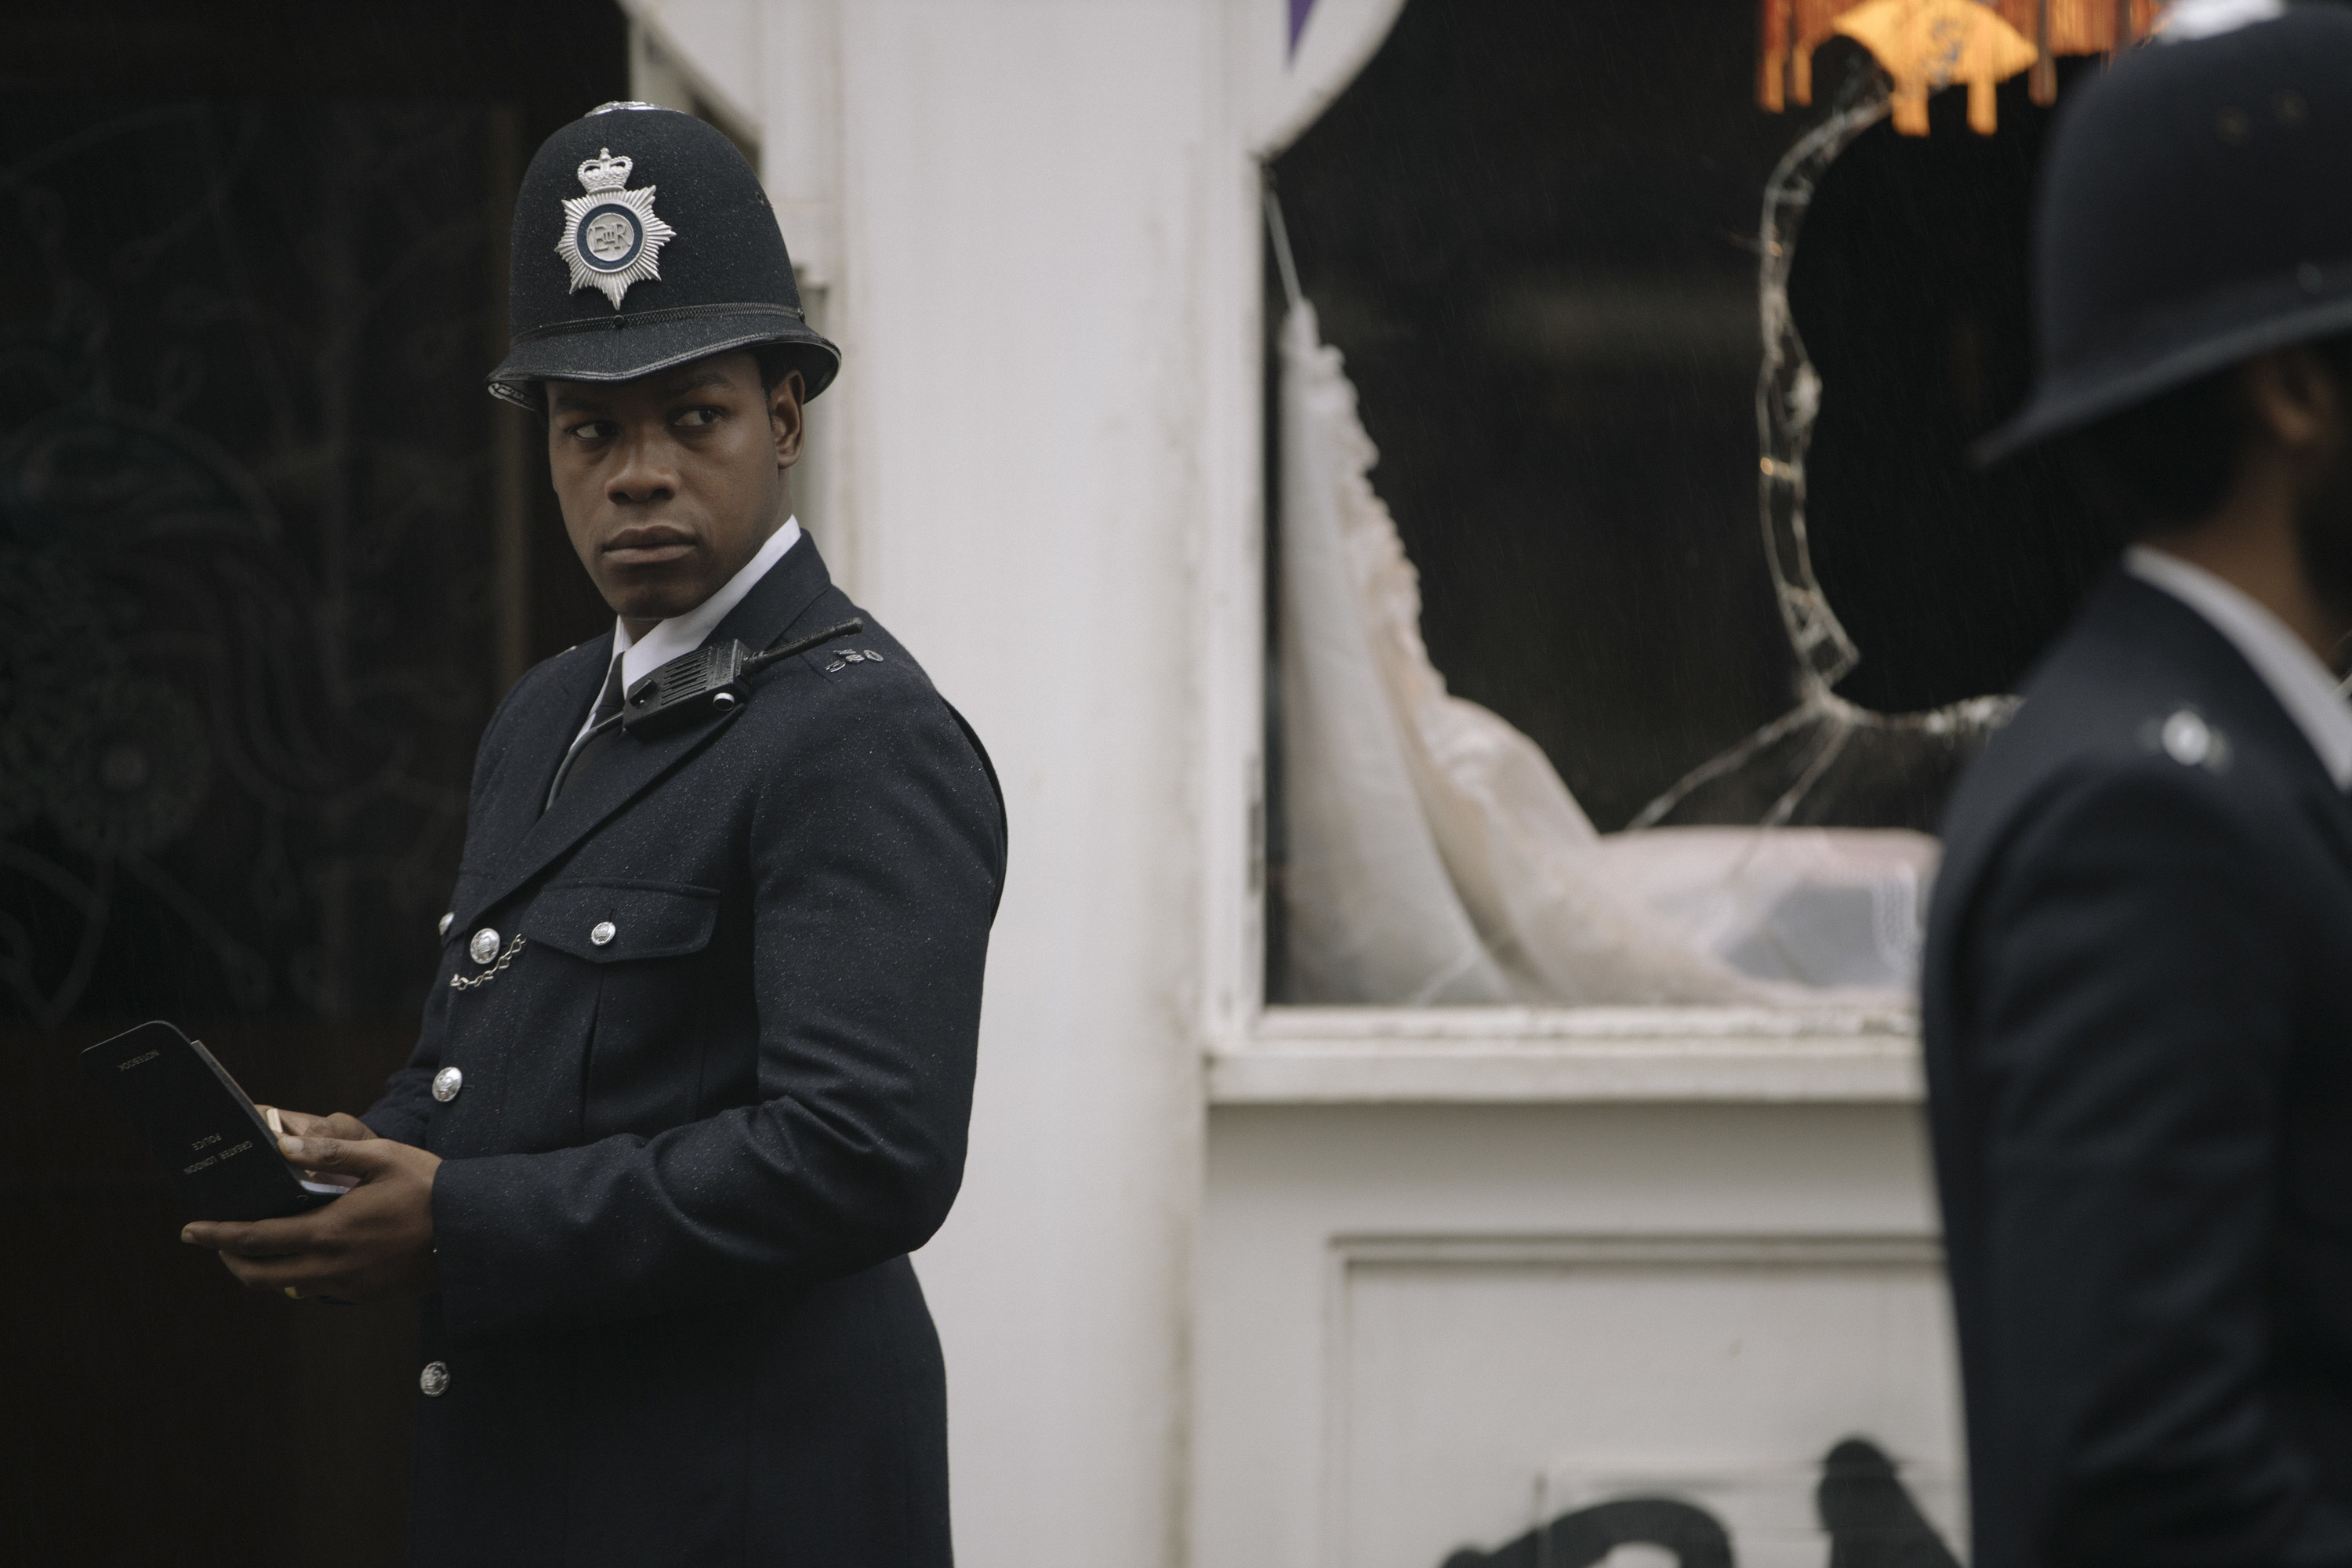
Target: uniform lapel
x,y
629,766
544,732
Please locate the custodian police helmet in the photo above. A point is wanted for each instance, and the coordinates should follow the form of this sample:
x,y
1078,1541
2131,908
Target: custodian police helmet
x,y
642,240
2195,210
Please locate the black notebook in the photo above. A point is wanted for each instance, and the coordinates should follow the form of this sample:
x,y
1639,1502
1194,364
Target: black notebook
x,y
222,1155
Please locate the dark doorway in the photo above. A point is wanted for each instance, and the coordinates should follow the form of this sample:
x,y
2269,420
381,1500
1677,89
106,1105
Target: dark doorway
x,y
269,556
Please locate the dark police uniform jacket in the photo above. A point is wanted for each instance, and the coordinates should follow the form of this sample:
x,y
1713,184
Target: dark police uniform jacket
x,y
2137,1015
715,1086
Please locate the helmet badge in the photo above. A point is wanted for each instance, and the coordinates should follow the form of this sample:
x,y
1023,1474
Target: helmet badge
x,y
611,237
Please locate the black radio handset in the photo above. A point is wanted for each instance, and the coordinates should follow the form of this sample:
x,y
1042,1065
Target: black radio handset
x,y
708,680
693,685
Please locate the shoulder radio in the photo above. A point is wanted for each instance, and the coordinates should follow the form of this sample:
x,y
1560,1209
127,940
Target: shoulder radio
x,y
710,680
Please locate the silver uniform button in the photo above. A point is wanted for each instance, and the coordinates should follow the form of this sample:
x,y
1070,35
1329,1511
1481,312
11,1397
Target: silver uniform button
x,y
446,1083
444,927
484,945
434,1381
602,933
2186,739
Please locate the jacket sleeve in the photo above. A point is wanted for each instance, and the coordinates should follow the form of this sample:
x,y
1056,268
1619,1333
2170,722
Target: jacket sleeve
x,y
2134,976
875,859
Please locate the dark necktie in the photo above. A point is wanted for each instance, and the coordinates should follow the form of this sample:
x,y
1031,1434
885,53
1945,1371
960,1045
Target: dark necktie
x,y
585,752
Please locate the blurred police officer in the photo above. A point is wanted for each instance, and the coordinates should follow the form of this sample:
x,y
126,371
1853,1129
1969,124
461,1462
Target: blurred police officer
x,y
2139,985
696,1067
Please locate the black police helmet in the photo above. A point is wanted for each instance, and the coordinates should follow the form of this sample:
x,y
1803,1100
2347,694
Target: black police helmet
x,y
2195,210
642,240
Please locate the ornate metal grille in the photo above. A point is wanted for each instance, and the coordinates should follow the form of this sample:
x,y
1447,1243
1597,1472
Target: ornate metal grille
x,y
245,618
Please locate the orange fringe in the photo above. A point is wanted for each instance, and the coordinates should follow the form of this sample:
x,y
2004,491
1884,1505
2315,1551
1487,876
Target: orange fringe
x,y
1790,30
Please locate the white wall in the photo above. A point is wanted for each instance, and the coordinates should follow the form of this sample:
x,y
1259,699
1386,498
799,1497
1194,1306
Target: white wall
x,y
1002,202
1429,1326
1034,223
1020,184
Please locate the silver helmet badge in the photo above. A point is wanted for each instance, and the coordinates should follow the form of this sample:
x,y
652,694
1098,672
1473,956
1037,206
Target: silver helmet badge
x,y
611,237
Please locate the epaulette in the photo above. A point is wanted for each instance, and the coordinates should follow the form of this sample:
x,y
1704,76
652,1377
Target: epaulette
x,y
2184,735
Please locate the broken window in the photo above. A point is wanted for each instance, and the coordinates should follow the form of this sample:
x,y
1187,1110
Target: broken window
x,y
1721,579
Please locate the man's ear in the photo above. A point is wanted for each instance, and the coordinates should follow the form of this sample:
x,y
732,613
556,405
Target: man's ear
x,y
786,419
2295,399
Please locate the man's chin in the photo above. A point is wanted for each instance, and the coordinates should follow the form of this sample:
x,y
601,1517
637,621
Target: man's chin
x,y
634,598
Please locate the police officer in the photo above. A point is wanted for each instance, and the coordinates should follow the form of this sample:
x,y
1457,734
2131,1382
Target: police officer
x,y
696,1067
2137,1000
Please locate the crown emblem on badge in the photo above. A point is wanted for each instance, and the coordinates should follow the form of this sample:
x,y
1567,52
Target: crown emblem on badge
x,y
604,171
611,237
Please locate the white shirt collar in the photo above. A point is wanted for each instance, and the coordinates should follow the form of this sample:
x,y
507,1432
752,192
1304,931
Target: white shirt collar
x,y
684,634
2189,20
2294,675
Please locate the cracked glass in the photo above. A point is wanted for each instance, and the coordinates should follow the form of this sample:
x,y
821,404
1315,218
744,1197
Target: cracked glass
x,y
1673,397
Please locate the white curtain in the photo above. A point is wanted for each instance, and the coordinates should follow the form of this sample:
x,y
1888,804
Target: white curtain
x,y
1436,856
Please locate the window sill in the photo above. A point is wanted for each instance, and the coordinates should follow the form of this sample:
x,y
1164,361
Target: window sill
x,y
1395,1056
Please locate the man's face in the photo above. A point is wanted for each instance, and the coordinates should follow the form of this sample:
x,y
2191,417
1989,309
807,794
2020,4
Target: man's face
x,y
670,483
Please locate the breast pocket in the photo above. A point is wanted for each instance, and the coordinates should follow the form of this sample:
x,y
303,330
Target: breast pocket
x,y
643,945
614,922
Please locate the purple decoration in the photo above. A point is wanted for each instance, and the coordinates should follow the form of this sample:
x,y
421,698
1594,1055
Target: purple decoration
x,y
1298,10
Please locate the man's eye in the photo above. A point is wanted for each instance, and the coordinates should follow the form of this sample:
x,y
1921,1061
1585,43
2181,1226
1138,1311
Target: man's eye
x,y
593,430
699,417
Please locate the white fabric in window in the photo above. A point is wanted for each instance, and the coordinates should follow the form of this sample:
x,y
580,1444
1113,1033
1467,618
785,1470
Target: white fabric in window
x,y
1434,856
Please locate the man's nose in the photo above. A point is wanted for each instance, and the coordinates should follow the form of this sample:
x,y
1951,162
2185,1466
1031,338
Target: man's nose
x,y
644,474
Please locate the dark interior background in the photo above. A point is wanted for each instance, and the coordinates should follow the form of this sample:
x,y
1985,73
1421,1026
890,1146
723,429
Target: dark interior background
x,y
1910,289
1530,228
250,626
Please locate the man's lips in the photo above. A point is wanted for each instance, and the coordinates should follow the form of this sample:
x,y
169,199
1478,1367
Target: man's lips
x,y
648,546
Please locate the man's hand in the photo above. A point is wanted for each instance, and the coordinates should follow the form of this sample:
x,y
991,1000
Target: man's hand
x,y
373,1244
341,1125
